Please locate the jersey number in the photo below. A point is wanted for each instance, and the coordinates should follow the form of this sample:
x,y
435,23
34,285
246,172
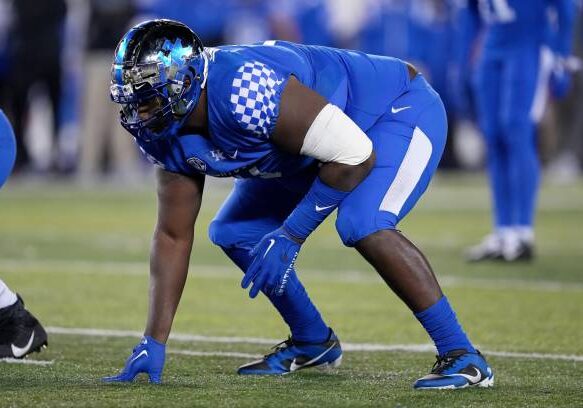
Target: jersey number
x,y
497,11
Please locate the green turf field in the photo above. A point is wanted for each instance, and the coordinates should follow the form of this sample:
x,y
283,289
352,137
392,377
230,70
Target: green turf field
x,y
79,258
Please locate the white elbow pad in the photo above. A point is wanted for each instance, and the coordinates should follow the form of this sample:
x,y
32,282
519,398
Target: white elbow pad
x,y
334,137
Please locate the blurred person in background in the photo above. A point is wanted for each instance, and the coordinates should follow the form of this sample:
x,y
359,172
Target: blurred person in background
x,y
313,21
385,30
35,42
510,87
5,16
103,141
251,21
20,332
210,20
565,165
247,21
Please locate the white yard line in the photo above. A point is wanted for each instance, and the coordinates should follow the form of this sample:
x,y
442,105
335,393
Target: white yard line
x,y
536,356
175,336
82,267
362,347
214,354
26,361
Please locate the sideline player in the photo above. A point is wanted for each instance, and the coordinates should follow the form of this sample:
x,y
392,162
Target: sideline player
x,y
305,130
510,87
20,332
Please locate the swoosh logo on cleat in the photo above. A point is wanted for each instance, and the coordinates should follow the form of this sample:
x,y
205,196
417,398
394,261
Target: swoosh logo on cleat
x,y
18,351
473,379
294,367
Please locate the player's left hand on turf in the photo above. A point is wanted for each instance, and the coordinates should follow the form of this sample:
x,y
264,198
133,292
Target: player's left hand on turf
x,y
147,357
273,263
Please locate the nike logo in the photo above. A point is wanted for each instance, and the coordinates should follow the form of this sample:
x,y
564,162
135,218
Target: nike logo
x,y
473,379
139,86
271,243
18,351
318,208
294,367
397,110
234,155
142,353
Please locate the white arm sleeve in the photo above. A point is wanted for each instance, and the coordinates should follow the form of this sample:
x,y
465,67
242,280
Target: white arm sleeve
x,y
334,137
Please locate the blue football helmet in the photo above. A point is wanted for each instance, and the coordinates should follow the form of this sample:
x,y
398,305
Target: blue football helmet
x,y
158,73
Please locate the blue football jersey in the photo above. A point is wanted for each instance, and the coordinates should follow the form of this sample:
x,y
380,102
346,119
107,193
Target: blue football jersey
x,y
244,87
520,23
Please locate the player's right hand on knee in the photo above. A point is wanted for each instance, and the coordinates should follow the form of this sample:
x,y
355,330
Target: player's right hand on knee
x,y
273,262
147,357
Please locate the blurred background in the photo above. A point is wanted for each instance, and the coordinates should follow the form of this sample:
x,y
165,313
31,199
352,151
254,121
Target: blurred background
x,y
55,59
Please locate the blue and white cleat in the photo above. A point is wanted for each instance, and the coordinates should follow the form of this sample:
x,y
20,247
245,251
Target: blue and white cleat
x,y
457,369
289,356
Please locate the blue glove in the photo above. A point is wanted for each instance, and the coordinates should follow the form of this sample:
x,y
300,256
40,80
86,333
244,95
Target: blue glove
x,y
273,262
148,357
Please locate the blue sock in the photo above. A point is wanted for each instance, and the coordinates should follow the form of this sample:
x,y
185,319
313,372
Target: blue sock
x,y
442,326
294,306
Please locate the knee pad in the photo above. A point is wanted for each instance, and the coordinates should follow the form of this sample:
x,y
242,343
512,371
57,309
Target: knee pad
x,y
222,233
345,229
235,233
352,227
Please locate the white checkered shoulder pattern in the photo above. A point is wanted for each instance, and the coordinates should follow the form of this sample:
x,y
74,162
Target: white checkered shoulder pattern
x,y
254,97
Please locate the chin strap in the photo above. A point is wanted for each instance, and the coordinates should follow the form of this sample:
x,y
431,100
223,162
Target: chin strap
x,y
205,70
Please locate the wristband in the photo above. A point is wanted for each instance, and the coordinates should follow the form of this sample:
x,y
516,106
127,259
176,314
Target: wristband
x,y
319,202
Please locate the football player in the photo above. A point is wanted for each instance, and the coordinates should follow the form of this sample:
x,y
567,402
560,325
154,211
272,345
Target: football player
x,y
20,332
305,130
510,86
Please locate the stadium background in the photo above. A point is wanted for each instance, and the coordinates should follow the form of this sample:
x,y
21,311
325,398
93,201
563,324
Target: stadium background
x,y
77,215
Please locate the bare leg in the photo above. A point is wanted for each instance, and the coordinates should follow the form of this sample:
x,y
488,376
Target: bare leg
x,y
403,267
